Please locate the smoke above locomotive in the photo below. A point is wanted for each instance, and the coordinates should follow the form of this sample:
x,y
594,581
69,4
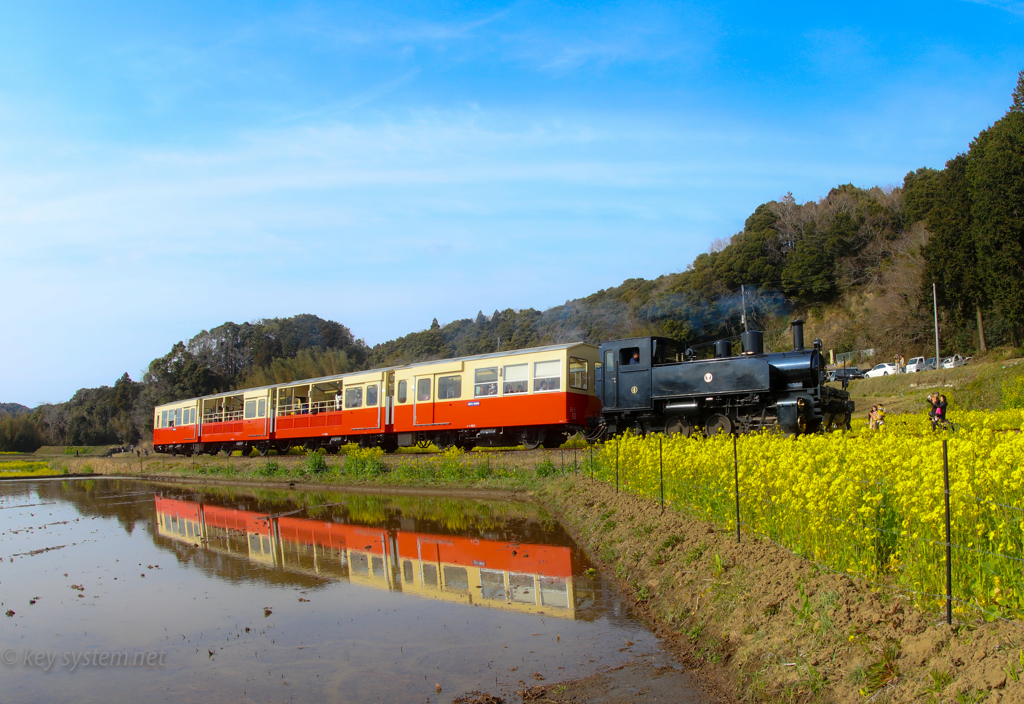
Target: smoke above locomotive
x,y
655,384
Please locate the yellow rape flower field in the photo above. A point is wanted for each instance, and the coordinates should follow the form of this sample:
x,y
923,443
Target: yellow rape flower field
x,y
23,468
866,503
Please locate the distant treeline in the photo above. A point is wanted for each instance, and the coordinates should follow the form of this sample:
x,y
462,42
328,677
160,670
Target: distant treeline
x,y
858,263
227,357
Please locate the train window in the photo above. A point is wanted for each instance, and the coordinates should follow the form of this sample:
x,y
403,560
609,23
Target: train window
x,y
492,584
449,387
609,361
403,391
354,397
371,395
429,575
261,408
578,373
177,416
522,588
485,382
554,592
547,376
423,389
407,574
626,355
516,378
250,409
456,578
163,419
360,563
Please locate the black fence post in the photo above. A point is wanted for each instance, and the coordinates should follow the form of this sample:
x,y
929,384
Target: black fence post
x,y
949,547
736,472
661,475
616,467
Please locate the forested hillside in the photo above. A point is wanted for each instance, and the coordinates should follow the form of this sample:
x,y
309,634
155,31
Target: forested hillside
x,y
858,264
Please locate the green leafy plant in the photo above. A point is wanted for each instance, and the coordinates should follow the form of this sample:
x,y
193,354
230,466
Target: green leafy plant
x,y
546,469
879,674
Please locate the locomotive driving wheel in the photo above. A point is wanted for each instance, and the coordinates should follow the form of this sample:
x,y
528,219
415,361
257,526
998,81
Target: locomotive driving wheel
x,y
716,424
678,424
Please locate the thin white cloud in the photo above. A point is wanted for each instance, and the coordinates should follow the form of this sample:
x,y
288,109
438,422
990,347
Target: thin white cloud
x,y
1012,6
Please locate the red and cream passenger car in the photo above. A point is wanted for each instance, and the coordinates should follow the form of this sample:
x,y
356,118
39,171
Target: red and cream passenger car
x,y
530,397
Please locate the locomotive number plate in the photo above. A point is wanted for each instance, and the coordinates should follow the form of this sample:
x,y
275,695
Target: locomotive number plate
x,y
634,389
708,377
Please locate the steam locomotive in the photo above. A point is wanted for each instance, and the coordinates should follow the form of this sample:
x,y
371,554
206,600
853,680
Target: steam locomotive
x,y
652,384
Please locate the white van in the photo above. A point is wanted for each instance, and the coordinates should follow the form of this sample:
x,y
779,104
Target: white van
x,y
915,365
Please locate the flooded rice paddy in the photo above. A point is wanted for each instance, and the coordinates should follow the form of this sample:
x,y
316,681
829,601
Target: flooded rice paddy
x,y
120,590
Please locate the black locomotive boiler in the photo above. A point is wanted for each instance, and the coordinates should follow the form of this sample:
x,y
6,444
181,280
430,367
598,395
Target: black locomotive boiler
x,y
654,384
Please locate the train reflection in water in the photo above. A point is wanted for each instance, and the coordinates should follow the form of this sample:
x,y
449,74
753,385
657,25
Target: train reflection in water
x,y
524,577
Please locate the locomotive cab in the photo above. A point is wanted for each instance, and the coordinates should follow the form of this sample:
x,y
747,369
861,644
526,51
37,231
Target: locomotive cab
x,y
623,379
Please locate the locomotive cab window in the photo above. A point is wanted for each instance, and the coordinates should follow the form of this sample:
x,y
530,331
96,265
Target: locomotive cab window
x,y
423,389
403,391
547,376
163,419
516,378
665,352
371,395
577,373
626,356
485,382
354,397
449,387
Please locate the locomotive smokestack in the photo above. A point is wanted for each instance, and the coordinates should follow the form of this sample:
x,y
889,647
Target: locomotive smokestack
x,y
723,349
798,334
753,342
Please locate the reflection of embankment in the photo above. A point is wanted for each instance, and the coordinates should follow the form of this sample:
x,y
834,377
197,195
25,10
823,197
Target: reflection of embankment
x,y
522,577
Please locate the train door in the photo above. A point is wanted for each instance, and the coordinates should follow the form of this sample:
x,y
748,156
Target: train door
x,y
189,425
634,377
389,403
609,370
423,400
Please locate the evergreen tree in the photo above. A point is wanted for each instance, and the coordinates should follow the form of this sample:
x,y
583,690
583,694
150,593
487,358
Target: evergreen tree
x,y
995,173
951,254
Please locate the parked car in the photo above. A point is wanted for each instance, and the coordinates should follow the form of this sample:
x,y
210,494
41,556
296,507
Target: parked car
x,y
847,373
954,361
929,365
882,370
915,365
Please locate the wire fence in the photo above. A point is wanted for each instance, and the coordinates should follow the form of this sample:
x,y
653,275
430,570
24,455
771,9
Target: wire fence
x,y
893,526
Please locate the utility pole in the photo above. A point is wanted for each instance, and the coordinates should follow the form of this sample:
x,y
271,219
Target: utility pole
x,y
743,292
935,304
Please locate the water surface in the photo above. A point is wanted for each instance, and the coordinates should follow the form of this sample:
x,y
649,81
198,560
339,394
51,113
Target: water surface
x,y
241,595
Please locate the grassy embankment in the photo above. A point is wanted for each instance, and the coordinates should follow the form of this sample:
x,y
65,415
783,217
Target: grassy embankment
x,y
354,467
768,626
976,386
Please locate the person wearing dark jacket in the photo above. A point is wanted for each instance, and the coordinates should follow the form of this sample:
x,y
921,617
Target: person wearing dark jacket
x,y
940,411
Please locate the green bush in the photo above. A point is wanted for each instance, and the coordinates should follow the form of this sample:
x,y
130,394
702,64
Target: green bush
x,y
316,462
546,469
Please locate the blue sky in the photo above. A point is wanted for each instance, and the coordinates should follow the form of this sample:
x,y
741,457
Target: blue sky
x,y
165,167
